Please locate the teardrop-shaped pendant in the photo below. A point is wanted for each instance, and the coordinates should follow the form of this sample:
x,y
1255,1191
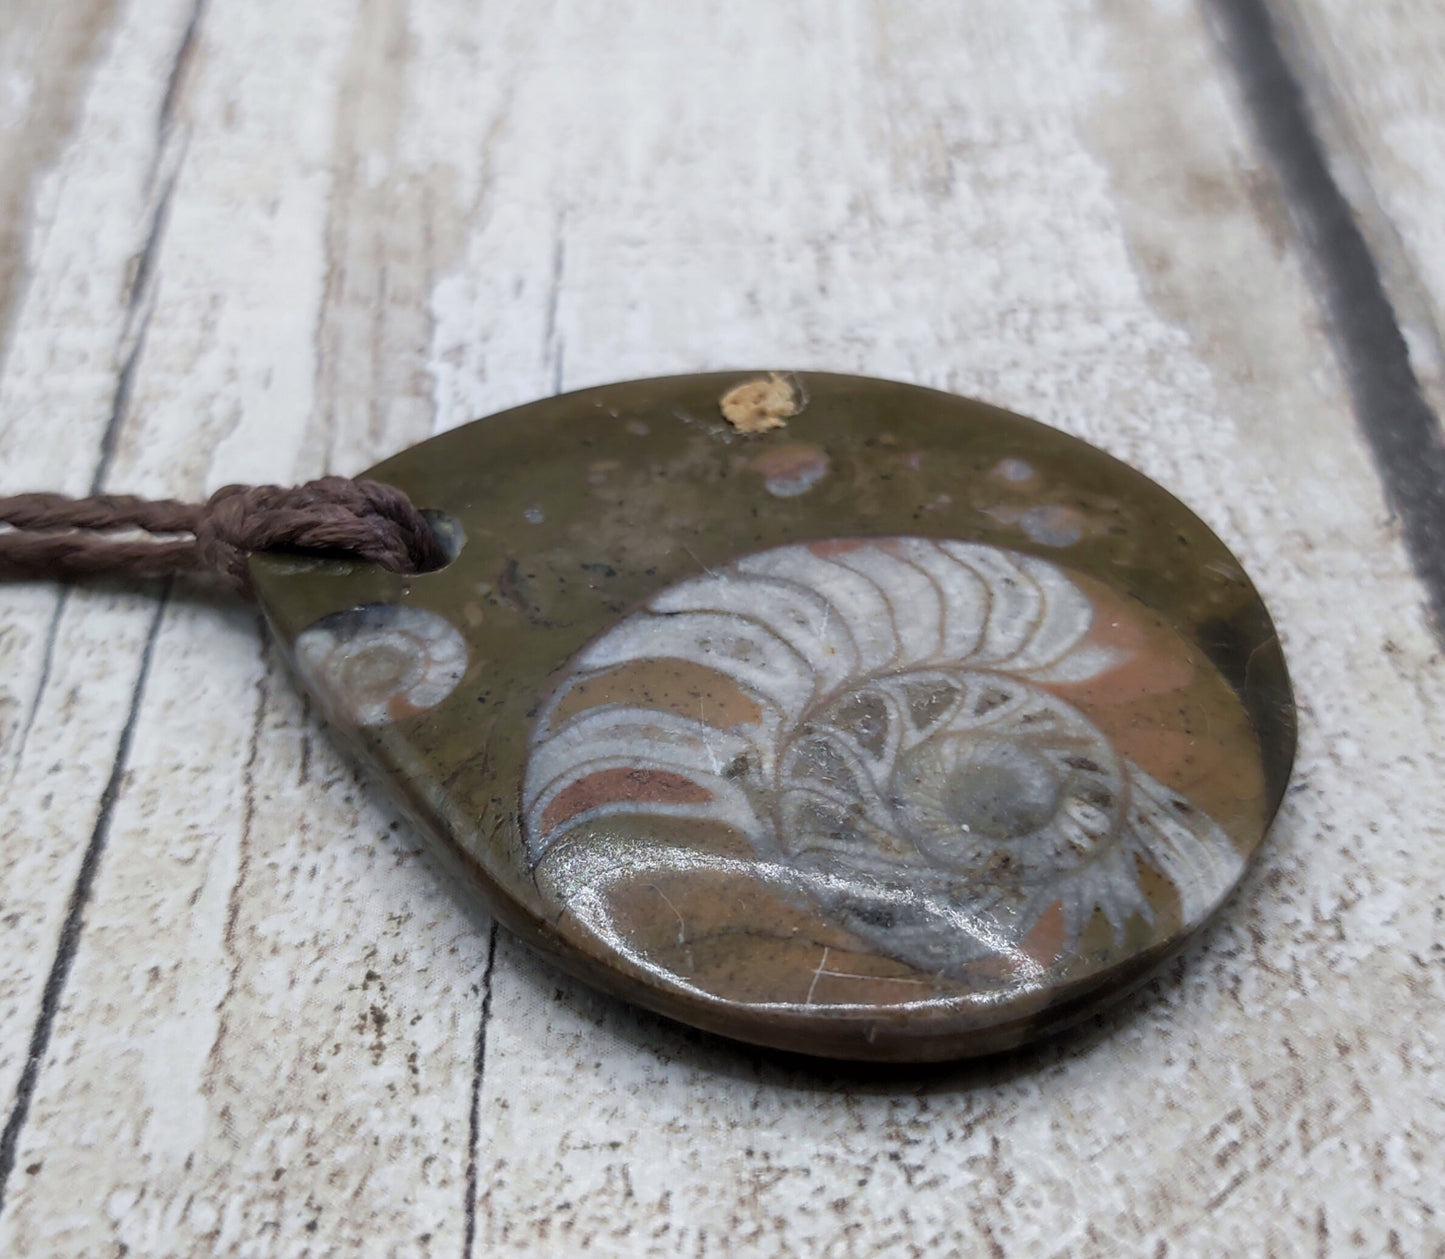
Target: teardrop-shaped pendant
x,y
825,713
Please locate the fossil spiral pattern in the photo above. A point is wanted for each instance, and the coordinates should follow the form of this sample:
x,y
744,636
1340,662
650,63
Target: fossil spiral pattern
x,y
381,662
878,721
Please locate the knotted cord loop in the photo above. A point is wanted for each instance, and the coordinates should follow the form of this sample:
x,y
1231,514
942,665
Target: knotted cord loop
x,y
51,535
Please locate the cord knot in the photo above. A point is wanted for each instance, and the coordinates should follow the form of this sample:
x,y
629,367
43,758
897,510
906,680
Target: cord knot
x,y
334,516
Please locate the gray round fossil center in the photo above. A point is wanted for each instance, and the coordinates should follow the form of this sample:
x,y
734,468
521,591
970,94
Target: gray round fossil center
x,y
964,798
1002,791
386,665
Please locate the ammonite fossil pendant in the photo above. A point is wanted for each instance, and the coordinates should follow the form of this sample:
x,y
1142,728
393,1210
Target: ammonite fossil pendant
x,y
825,713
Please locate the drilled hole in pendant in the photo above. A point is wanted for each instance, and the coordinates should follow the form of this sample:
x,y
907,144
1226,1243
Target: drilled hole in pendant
x,y
450,536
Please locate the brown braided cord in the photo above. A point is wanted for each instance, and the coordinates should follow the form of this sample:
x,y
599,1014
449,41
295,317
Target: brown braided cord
x,y
51,535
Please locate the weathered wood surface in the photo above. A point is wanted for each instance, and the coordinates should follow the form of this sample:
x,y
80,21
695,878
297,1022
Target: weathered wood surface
x,y
1373,75
247,239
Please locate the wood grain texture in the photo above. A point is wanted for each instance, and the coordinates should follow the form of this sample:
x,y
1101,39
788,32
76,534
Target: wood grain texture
x,y
260,241
45,60
1372,73
86,220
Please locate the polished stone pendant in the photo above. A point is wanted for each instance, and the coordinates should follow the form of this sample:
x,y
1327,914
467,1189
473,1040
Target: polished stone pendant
x,y
825,713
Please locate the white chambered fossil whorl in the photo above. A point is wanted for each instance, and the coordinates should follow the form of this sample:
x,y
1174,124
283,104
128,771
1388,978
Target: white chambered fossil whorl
x,y
875,719
374,664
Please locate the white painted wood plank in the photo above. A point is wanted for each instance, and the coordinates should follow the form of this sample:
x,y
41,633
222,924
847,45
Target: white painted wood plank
x,y
86,91
1372,72
209,1008
46,59
396,214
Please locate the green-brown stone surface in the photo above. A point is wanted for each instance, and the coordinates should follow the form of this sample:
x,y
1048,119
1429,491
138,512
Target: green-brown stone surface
x,y
573,513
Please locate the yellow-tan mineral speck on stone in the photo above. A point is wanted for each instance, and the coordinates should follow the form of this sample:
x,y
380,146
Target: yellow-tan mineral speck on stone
x,y
760,406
